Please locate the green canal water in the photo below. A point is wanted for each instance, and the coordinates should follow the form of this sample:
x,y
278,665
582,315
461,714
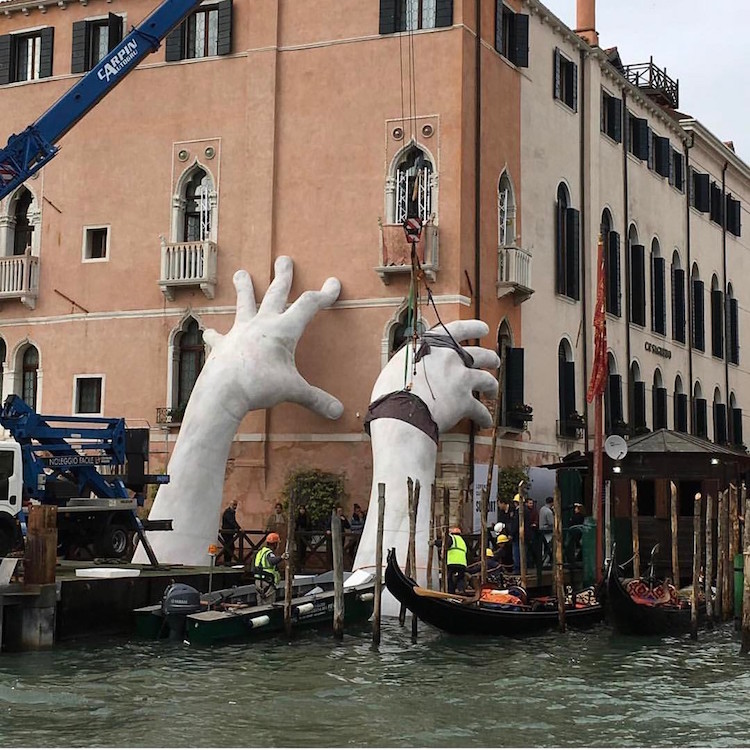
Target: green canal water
x,y
587,688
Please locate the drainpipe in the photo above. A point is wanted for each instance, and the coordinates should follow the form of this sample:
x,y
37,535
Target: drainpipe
x,y
724,326
584,235
689,290
626,249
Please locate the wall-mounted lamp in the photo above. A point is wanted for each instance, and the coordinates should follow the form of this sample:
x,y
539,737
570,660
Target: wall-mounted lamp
x,y
714,462
617,469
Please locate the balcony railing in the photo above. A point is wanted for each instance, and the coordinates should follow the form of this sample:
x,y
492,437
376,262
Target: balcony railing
x,y
654,82
188,264
514,273
395,251
19,278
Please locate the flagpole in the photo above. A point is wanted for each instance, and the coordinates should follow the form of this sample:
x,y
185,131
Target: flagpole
x,y
598,480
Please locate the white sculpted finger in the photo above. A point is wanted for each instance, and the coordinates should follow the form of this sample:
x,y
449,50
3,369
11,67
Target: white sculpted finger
x,y
482,381
480,414
484,359
462,330
246,307
304,308
212,338
316,400
274,300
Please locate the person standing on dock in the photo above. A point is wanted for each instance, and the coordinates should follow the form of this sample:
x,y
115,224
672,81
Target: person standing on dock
x,y
228,531
266,569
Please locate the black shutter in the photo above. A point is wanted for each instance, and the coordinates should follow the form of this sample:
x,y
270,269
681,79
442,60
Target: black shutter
x,y
699,333
613,273
660,408
663,151
78,55
444,13
678,169
678,299
701,192
639,405
556,73
5,47
224,41
521,47
659,312
572,244
574,85
569,401
615,118
650,148
560,248
614,392
637,285
388,16
717,315
681,412
173,46
640,147
733,216
720,424
47,38
734,333
514,383
737,426
717,205
114,28
701,417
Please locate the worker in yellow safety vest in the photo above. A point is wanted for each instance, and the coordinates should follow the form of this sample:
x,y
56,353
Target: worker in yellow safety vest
x,y
266,569
456,560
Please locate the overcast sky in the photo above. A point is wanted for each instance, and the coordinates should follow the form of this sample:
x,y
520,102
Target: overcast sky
x,y
705,45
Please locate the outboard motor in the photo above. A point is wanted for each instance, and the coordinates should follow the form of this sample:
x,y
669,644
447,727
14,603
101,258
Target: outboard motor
x,y
179,600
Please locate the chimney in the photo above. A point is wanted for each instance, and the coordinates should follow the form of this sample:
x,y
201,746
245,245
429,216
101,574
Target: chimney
x,y
586,21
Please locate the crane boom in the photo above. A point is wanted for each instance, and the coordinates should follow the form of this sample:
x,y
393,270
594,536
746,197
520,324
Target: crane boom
x,y
27,152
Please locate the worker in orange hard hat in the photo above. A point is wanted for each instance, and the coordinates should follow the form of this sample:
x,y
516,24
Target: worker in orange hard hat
x,y
266,569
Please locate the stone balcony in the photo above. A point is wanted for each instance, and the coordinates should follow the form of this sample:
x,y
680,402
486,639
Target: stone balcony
x,y
395,251
514,273
19,279
188,264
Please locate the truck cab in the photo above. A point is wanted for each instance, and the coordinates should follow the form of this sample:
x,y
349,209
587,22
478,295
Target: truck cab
x,y
11,493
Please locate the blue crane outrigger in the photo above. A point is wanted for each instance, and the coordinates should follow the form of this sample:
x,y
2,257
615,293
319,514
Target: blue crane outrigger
x,y
27,152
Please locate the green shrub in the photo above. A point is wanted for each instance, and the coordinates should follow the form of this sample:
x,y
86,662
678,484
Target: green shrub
x,y
508,478
319,491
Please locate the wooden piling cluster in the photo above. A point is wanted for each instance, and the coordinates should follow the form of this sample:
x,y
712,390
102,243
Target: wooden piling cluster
x,y
377,612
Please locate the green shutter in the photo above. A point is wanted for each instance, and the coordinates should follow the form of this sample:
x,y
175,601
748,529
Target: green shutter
x,y
521,40
78,53
224,41
5,47
47,37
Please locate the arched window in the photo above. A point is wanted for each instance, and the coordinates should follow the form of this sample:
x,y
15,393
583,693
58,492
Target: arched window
x,y
402,332
678,299
611,241
567,243
680,406
514,408
637,400
637,278
414,186
700,412
696,300
736,421
717,318
733,333
29,375
197,217
658,291
613,416
190,355
570,421
23,231
659,401
506,212
720,419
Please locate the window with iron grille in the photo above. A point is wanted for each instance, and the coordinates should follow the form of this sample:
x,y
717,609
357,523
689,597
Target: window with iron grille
x,y
413,186
197,218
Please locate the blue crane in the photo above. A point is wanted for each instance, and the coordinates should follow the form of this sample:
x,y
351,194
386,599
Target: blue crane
x,y
27,152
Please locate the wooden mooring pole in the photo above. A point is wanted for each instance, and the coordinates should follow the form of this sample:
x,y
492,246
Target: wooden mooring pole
x,y
733,533
673,517
378,568
291,555
408,565
745,647
727,603
40,558
634,528
557,546
696,566
446,538
431,537
522,534
413,549
338,576
719,598
708,574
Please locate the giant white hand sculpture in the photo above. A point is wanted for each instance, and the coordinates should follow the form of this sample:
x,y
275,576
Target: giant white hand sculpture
x,y
400,450
250,367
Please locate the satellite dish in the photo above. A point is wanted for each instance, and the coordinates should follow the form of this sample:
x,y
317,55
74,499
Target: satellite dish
x,y
616,447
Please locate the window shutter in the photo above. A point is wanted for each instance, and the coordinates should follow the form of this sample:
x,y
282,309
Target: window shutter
x,y
521,47
78,55
701,417
678,304
734,337
639,405
733,216
720,424
388,16
5,45
114,28
737,426
173,46
614,243
637,285
560,280
556,74
663,152
615,391
570,389
681,412
660,408
716,204
717,314
224,41
572,243
47,37
642,131
701,193
659,312
574,85
651,157
444,13
514,382
699,334
679,170
615,118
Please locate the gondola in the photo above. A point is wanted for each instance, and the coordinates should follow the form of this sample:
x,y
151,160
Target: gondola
x,y
644,606
480,615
